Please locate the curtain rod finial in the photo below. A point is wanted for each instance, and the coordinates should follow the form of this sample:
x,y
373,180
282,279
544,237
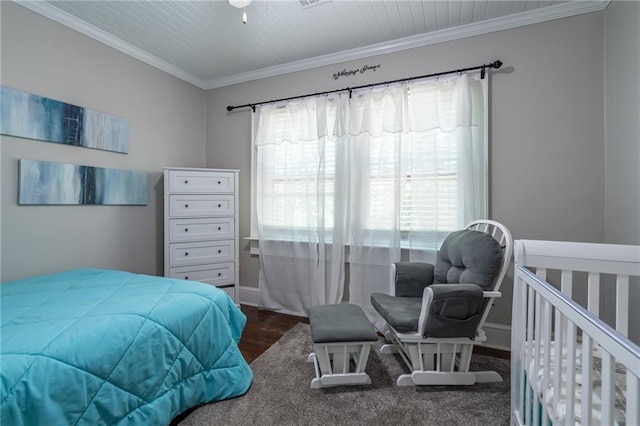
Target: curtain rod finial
x,y
497,64
230,108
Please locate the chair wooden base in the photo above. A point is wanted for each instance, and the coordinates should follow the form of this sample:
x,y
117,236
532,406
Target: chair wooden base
x,y
453,379
436,361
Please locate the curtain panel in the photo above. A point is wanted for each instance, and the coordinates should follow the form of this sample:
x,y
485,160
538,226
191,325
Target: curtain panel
x,y
371,179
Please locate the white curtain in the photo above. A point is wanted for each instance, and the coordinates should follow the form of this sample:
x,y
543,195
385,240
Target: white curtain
x,y
375,178
301,202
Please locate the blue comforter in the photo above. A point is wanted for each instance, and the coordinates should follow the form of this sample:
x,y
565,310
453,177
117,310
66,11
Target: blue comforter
x,y
106,347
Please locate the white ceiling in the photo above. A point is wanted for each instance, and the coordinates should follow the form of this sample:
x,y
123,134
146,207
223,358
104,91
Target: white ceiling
x,y
206,43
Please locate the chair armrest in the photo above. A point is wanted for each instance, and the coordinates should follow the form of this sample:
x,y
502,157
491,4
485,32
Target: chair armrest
x,y
411,278
427,298
451,310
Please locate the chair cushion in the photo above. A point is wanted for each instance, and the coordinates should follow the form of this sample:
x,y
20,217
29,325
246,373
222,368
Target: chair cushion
x,y
469,257
412,278
342,322
401,313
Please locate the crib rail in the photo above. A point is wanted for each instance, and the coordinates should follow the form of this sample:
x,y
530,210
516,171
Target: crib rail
x,y
556,342
623,261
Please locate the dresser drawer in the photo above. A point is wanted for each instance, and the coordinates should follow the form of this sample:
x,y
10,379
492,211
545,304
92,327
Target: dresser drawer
x,y
201,205
182,230
199,182
182,254
218,274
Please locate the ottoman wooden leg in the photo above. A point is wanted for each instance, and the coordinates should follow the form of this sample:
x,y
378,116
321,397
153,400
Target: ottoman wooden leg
x,y
337,347
332,362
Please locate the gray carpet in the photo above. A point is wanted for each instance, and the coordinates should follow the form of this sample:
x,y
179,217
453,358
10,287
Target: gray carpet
x,y
281,394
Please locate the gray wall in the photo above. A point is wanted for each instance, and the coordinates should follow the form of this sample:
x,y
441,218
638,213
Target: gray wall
x,y
549,165
167,128
547,153
622,128
622,133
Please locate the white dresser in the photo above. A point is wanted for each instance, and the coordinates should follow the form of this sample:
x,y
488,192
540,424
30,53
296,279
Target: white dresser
x,y
201,226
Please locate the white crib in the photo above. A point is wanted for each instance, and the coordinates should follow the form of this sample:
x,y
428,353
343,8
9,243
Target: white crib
x,y
567,365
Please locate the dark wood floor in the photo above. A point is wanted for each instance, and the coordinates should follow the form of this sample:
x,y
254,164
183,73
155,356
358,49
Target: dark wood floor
x,y
264,328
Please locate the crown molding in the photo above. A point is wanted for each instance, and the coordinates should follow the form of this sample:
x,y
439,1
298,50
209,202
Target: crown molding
x,y
68,20
558,11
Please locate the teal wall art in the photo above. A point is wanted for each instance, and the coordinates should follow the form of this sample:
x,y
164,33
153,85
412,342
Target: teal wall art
x,y
34,117
44,182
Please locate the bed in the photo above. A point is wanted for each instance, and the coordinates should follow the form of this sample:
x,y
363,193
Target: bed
x,y
95,347
571,360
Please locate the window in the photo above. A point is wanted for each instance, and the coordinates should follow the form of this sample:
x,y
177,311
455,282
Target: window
x,y
404,163
290,191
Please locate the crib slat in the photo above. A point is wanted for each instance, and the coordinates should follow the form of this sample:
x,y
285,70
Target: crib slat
x,y
542,273
566,286
608,392
536,359
587,364
593,300
528,357
622,304
633,394
567,283
546,320
571,372
560,325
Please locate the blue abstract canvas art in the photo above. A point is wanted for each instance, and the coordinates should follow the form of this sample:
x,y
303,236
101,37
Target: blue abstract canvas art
x,y
44,182
34,117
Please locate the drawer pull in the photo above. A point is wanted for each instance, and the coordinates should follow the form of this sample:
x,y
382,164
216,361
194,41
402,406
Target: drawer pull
x,y
219,274
186,229
219,205
186,206
219,182
186,278
186,253
186,181
219,228
219,251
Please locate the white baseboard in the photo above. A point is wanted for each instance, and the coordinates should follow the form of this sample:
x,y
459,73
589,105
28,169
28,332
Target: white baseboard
x,y
249,296
498,336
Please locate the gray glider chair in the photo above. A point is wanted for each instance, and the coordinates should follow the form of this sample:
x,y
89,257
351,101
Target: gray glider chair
x,y
435,313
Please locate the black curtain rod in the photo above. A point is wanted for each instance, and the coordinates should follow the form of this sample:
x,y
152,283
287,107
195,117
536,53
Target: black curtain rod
x,y
495,64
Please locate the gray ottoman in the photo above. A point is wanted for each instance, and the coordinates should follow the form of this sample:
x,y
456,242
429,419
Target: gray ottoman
x,y
341,333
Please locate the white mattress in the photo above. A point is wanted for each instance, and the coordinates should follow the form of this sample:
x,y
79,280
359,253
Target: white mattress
x,y
558,413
